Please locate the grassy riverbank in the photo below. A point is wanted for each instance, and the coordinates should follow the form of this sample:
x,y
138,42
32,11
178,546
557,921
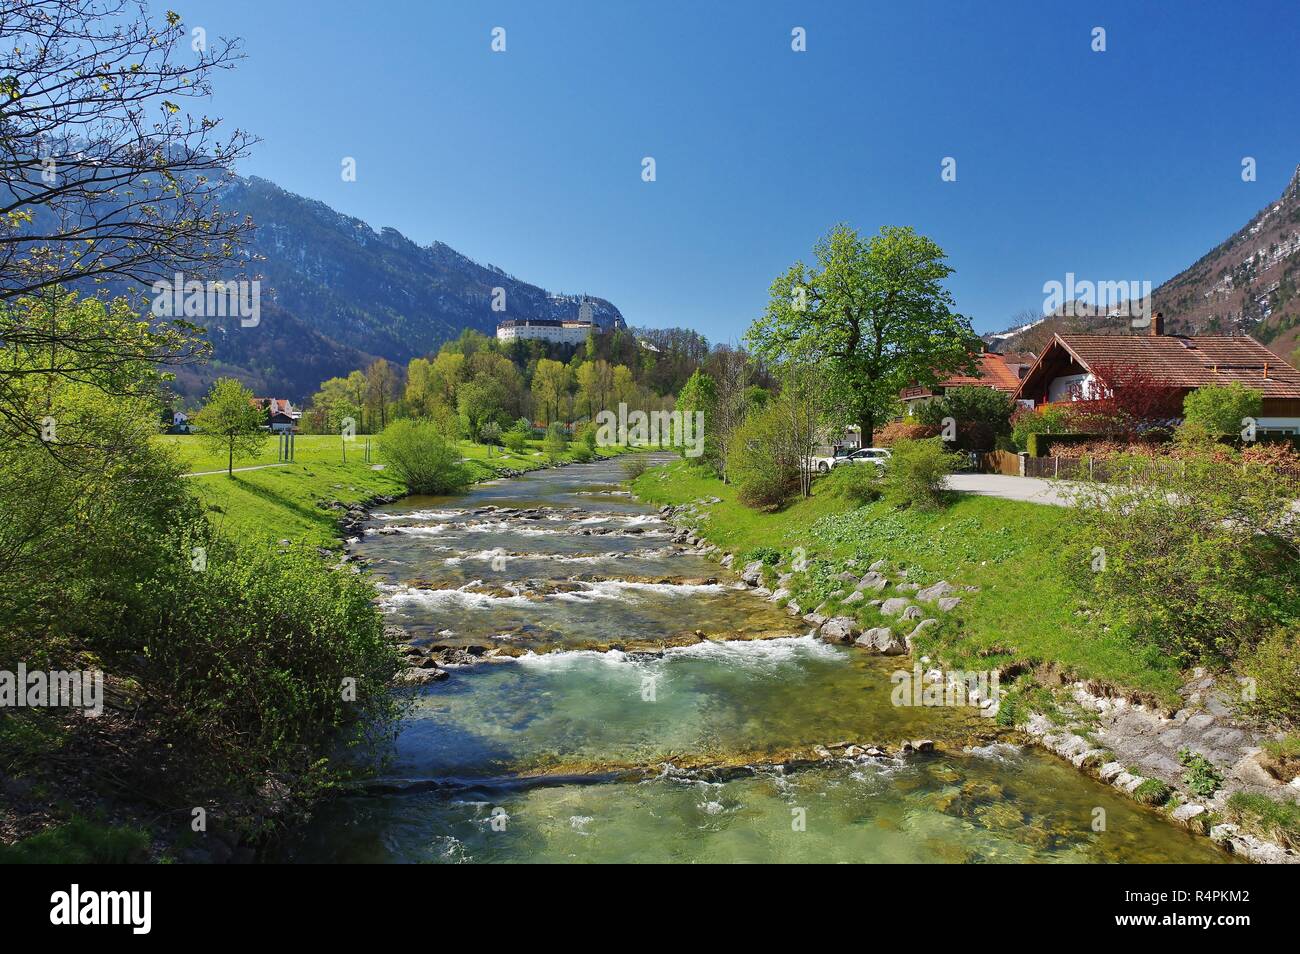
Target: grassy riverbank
x,y
280,501
1025,611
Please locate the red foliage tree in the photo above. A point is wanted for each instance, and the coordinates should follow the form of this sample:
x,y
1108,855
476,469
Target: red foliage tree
x,y
1125,400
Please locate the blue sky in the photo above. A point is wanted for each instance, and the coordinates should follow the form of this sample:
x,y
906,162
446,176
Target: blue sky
x,y
1121,165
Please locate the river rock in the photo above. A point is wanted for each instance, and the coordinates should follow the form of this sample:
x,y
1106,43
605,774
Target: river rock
x,y
923,745
1184,814
414,676
949,603
793,608
931,593
881,640
846,577
912,612
779,594
752,573
728,560
878,566
841,629
814,618
854,597
894,606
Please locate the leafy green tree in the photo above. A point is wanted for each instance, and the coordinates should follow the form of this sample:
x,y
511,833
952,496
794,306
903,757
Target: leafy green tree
x,y
1221,410
700,393
229,421
478,403
873,315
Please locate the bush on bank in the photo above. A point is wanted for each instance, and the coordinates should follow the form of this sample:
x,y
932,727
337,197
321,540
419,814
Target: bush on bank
x,y
424,459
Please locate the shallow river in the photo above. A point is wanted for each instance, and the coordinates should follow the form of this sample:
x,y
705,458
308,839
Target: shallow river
x,y
643,707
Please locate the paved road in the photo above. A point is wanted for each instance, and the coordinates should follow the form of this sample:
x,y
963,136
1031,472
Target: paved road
x,y
238,470
1031,489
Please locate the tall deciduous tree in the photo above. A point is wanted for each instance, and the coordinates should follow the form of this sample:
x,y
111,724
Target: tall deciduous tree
x,y
873,316
229,421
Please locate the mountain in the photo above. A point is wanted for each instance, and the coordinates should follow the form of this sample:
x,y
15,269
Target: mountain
x,y
336,293
1248,284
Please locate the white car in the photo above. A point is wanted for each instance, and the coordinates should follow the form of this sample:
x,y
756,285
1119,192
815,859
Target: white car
x,y
871,455
867,455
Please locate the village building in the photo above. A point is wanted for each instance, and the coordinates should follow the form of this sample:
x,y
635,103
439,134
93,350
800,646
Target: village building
x,y
1065,370
992,371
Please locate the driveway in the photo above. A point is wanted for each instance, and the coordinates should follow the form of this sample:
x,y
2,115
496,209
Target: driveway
x,y
1029,489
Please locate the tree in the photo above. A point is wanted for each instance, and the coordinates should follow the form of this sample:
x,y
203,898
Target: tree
x,y
478,404
381,386
1222,410
700,394
229,421
550,388
873,316
1126,400
106,175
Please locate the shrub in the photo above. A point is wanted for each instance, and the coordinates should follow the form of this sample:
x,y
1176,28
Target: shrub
x,y
423,458
253,656
763,465
1026,421
515,440
634,465
587,437
1198,551
981,415
1202,778
914,476
1221,410
768,556
1152,791
582,454
1274,665
556,442
856,483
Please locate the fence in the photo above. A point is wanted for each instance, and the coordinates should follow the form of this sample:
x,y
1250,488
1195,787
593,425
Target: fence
x,y
1069,468
1000,462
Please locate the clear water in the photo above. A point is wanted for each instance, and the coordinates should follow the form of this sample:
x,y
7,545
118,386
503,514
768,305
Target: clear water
x,y
700,752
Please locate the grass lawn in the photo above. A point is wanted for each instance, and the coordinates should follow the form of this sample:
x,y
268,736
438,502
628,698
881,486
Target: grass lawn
x,y
1025,610
280,503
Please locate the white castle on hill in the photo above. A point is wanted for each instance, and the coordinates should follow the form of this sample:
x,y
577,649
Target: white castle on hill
x,y
560,331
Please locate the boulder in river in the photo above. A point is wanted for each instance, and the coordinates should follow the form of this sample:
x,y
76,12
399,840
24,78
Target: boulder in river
x,y
752,573
841,629
882,640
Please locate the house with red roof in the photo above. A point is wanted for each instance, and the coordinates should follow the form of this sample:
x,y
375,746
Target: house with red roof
x,y
992,371
281,415
1065,370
